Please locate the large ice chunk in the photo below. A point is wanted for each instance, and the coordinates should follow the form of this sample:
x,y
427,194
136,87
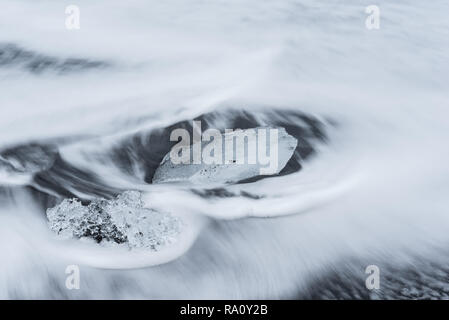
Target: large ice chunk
x,y
235,164
123,220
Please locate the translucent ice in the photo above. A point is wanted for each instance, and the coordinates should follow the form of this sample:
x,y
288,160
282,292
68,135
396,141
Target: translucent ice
x,y
123,220
231,170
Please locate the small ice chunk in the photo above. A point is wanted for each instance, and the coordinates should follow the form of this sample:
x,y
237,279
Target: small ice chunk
x,y
235,164
123,220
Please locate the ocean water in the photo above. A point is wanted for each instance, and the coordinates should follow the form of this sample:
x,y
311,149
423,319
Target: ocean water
x,y
87,113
